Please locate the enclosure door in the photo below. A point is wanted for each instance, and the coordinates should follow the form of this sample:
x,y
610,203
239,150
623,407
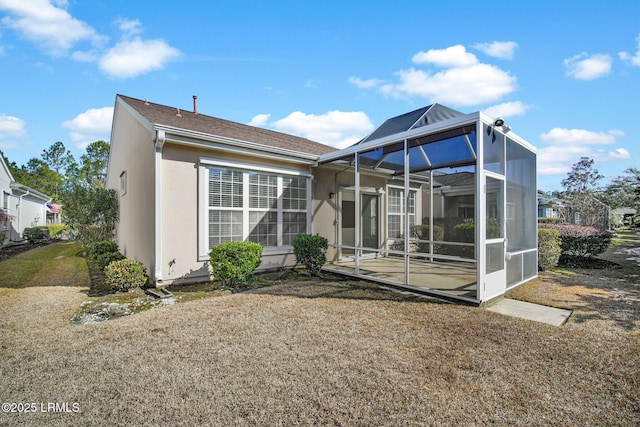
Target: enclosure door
x,y
495,279
369,225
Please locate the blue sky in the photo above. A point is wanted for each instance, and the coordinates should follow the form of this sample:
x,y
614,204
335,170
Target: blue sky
x,y
565,75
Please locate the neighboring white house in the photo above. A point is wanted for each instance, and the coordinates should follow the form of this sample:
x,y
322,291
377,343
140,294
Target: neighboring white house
x,y
461,187
24,206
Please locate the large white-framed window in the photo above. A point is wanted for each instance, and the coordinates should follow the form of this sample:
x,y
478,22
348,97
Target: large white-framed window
x,y
251,202
396,210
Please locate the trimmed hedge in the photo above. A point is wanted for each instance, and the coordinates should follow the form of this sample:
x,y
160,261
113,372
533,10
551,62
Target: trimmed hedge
x,y
233,263
548,248
422,231
100,248
580,240
104,253
125,274
311,250
35,234
550,220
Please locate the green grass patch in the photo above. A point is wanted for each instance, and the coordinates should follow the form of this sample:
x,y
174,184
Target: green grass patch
x,y
57,264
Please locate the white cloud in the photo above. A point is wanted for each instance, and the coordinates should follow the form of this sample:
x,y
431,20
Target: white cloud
x,y
567,146
48,24
563,136
454,56
584,67
632,59
12,129
336,128
130,58
92,125
502,50
463,81
365,84
260,120
507,109
478,84
129,27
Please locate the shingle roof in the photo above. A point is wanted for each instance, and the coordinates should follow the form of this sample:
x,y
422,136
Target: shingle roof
x,y
164,115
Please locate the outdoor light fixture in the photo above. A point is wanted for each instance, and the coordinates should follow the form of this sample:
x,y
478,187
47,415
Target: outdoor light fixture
x,y
499,122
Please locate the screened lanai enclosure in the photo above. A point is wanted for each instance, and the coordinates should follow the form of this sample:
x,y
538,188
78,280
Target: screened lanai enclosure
x,y
434,201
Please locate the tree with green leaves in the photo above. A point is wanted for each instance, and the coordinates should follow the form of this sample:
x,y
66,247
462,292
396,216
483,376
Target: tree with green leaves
x,y
582,195
91,212
624,190
93,164
58,158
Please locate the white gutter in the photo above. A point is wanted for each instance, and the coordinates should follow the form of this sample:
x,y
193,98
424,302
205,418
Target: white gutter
x,y
193,138
159,143
20,212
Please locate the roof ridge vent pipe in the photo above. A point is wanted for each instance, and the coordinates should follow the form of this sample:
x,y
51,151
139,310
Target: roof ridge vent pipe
x,y
195,105
178,112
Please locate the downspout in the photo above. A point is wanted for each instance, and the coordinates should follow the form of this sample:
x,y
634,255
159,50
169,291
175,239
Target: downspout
x,y
159,143
20,213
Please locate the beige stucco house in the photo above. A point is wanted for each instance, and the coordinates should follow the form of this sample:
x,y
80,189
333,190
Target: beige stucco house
x,y
434,200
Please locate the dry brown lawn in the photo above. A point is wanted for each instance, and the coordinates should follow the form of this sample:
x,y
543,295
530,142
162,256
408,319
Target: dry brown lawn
x,y
328,353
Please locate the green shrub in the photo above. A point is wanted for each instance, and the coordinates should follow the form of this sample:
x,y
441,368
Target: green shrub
x,y
311,251
35,234
549,220
55,229
125,274
422,232
3,234
580,240
548,248
107,258
97,249
233,263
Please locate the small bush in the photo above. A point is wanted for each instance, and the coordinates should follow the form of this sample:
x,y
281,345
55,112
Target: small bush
x,y
580,240
3,234
550,220
422,232
233,263
35,234
125,274
311,251
107,258
548,248
96,249
55,229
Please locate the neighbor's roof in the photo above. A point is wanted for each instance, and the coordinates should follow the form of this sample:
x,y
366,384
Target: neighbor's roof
x,y
421,117
187,120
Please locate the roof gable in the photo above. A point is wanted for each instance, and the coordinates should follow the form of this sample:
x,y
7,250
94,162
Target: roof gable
x,y
164,115
4,167
411,120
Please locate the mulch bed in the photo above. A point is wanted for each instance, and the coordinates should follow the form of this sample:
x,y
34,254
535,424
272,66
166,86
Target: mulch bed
x,y
587,263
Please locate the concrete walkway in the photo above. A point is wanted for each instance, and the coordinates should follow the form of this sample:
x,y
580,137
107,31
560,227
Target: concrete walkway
x,y
526,310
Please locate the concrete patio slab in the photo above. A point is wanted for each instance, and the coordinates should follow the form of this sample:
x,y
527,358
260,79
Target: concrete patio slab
x,y
526,310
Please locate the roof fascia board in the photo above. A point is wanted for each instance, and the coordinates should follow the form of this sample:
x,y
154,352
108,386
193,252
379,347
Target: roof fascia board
x,y
6,168
208,141
23,188
142,119
423,130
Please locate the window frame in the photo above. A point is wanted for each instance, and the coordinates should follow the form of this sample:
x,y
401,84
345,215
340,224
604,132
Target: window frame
x,y
246,169
402,207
